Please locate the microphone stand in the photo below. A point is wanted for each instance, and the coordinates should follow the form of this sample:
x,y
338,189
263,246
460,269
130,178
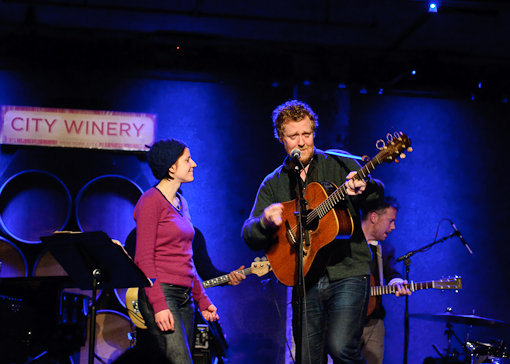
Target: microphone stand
x,y
300,286
407,263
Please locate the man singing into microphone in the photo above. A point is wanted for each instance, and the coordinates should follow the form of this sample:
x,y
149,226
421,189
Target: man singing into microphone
x,y
336,302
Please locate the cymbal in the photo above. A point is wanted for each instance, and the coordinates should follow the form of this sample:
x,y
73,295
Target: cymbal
x,y
460,319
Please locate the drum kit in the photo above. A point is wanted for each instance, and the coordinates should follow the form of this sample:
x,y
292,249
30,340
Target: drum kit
x,y
475,352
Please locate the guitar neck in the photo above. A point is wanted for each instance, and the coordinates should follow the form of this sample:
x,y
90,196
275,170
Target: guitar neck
x,y
388,151
223,279
413,286
341,191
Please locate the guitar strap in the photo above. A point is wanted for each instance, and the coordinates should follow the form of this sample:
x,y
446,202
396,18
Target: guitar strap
x,y
380,264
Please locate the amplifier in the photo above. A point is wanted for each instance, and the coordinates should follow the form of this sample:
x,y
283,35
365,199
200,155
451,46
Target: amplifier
x,y
202,336
201,357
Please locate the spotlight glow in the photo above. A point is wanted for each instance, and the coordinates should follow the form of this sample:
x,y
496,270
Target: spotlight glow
x,y
433,7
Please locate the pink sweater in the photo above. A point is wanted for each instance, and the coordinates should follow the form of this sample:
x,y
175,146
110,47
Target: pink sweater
x,y
163,248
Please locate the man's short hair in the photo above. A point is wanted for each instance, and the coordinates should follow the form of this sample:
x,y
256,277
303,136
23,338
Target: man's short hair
x,y
380,206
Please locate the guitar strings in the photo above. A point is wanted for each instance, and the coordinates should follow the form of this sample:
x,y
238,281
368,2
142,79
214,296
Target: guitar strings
x,y
338,195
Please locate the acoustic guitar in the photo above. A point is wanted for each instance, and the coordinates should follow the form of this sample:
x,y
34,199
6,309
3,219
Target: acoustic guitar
x,y
377,291
259,267
325,222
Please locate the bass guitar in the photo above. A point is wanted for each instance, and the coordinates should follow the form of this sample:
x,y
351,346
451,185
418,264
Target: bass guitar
x,y
377,291
259,267
323,220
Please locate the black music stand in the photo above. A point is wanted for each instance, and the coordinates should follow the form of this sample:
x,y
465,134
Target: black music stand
x,y
92,260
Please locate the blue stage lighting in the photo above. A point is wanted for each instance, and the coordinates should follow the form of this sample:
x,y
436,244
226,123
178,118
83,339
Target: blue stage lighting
x,y
433,7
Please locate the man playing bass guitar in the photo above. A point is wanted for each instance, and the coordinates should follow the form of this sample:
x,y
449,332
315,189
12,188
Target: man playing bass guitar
x,y
335,299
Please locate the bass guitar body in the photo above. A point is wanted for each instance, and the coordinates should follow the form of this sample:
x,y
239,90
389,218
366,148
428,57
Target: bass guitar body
x,y
322,230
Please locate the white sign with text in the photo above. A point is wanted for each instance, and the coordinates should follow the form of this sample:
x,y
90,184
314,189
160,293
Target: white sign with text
x,y
71,128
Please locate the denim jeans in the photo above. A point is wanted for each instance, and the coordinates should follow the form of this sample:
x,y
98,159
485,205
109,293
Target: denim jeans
x,y
333,316
177,344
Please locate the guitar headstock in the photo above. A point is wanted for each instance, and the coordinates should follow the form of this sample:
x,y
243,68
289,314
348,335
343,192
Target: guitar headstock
x,y
448,283
260,266
394,147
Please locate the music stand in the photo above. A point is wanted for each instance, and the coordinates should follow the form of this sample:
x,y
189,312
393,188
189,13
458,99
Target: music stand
x,y
91,259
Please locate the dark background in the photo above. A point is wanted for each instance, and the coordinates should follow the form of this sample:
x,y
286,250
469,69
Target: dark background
x,y
213,71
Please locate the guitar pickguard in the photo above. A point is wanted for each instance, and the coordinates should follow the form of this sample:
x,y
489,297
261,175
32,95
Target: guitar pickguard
x,y
291,238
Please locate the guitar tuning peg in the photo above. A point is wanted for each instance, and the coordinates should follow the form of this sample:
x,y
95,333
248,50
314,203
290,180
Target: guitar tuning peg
x,y
410,149
402,156
264,259
257,259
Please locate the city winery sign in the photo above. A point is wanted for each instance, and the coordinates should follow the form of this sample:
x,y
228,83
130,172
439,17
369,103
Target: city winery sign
x,y
48,127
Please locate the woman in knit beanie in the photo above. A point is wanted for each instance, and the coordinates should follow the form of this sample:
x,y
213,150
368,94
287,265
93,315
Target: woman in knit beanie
x,y
164,236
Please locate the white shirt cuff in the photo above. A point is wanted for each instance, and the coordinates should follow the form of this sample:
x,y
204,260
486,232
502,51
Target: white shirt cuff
x,y
396,281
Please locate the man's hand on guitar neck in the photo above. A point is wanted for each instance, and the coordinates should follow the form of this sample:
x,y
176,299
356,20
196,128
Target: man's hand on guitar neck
x,y
401,289
354,187
272,215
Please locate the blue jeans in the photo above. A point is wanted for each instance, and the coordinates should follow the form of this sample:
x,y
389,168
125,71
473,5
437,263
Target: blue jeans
x,y
176,345
333,316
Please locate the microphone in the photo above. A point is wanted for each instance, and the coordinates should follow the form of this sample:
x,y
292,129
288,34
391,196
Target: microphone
x,y
295,156
457,232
